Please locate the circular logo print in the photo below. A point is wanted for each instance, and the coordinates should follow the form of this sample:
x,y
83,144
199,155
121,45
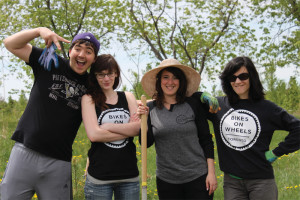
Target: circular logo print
x,y
116,116
239,129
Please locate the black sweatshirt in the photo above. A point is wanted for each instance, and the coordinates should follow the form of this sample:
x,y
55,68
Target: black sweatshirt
x,y
243,133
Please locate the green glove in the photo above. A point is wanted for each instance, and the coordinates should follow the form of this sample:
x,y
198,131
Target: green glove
x,y
211,101
270,156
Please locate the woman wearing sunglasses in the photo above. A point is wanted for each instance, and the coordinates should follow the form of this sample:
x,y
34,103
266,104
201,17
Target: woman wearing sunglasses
x,y
244,128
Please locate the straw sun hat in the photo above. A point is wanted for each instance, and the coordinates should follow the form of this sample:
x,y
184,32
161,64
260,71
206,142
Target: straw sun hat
x,y
149,79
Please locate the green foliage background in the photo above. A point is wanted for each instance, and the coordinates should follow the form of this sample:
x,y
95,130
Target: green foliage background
x,y
287,168
202,34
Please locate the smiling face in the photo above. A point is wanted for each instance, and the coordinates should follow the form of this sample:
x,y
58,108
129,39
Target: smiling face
x,y
106,79
169,84
241,87
81,57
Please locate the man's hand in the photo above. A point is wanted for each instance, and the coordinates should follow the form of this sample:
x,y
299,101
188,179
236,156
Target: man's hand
x,y
270,156
48,57
211,101
51,37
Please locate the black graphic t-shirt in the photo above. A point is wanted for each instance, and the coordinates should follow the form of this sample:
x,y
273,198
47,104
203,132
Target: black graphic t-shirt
x,y
243,133
113,160
52,116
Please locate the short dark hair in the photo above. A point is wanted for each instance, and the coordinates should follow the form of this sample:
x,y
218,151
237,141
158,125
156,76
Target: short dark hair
x,y
87,43
103,62
181,92
256,92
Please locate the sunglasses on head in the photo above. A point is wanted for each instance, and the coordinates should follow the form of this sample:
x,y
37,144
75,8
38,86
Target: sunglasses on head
x,y
242,77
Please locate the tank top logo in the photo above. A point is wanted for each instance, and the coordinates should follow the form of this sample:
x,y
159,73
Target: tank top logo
x,y
116,116
239,129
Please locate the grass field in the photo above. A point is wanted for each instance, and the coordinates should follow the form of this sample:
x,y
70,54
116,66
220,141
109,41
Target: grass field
x,y
287,168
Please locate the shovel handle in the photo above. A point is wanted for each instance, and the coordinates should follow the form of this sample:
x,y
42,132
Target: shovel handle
x,y
144,150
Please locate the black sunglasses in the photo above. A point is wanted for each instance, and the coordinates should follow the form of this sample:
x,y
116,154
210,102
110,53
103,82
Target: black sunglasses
x,y
242,77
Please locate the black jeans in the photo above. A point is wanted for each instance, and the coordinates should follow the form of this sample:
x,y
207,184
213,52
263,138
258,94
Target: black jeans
x,y
193,190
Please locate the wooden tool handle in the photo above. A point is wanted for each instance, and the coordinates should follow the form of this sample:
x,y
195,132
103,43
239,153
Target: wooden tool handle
x,y
144,150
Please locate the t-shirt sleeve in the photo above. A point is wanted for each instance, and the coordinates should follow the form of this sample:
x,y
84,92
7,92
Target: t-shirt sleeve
x,y
287,122
33,60
205,138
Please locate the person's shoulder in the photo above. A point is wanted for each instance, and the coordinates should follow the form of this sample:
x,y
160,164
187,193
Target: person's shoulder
x,y
268,102
86,97
271,106
195,103
191,99
126,93
151,104
196,94
35,53
36,49
129,95
194,99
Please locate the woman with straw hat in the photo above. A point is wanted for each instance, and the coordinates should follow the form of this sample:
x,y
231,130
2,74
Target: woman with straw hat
x,y
178,126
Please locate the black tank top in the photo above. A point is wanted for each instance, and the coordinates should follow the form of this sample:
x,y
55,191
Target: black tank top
x,y
113,160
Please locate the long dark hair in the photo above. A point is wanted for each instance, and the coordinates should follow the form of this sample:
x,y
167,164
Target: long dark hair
x,y
103,62
256,92
181,92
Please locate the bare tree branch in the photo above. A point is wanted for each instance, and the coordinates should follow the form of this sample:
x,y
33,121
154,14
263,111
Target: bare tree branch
x,y
54,27
155,21
184,46
144,34
173,30
66,17
221,33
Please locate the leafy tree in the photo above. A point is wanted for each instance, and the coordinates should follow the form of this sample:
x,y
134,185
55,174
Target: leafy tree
x,y
22,98
280,22
11,102
215,92
201,34
271,81
292,95
283,94
21,103
135,72
65,17
198,33
2,104
137,87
